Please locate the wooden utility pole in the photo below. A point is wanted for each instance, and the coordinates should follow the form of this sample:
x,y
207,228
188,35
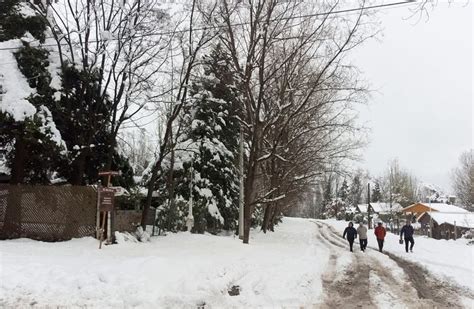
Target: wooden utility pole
x,y
368,206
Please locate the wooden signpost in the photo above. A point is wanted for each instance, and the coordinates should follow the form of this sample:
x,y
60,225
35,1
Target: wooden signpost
x,y
105,203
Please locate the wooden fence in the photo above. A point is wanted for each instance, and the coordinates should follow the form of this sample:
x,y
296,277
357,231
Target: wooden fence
x,y
48,213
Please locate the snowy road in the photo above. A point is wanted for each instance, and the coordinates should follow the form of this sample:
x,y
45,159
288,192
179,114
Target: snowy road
x,y
375,280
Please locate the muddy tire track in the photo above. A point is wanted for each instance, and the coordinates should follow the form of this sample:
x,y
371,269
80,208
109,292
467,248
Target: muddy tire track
x,y
342,292
419,290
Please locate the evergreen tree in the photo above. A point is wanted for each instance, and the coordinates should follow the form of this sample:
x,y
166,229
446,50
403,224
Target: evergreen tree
x,y
34,143
82,115
355,191
376,193
343,191
211,137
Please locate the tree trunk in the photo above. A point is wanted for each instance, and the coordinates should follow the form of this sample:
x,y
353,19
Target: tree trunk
x,y
248,200
79,166
12,223
266,218
276,209
172,210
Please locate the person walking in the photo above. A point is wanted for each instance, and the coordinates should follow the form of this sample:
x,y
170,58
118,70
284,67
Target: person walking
x,y
380,233
362,232
351,233
408,231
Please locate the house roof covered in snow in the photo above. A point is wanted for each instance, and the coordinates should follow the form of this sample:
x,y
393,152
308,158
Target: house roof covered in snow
x,y
459,219
440,207
385,207
362,208
380,208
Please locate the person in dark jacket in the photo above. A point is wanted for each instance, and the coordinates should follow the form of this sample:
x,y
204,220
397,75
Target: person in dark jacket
x,y
380,234
407,230
351,233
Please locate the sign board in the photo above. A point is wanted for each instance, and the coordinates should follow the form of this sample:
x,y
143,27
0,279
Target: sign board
x,y
106,201
110,173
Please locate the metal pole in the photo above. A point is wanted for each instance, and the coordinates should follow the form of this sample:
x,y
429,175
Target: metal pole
x,y
390,190
109,219
190,219
241,184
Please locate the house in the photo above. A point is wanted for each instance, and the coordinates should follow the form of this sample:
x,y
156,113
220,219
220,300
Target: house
x,y
418,209
385,208
447,225
361,208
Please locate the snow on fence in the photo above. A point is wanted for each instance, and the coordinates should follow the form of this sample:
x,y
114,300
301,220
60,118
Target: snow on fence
x,y
48,213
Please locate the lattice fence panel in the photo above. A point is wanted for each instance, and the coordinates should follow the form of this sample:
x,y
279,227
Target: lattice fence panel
x,y
48,213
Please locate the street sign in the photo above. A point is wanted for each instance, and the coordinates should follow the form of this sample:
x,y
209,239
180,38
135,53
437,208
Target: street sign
x,y
106,202
110,173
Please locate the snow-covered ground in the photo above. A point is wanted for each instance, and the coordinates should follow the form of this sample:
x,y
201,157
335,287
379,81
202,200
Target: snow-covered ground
x,y
180,270
303,264
451,260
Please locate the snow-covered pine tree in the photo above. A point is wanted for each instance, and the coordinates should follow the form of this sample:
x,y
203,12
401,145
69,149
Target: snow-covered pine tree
x,y
33,143
376,193
213,130
356,190
343,193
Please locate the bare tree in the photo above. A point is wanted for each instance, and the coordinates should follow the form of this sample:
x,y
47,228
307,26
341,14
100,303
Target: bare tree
x,y
398,185
272,41
120,43
463,180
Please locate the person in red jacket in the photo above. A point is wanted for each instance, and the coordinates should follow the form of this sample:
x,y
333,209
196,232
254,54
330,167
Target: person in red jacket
x,y
380,234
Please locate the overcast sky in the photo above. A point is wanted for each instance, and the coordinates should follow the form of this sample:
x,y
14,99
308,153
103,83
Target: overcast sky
x,y
422,110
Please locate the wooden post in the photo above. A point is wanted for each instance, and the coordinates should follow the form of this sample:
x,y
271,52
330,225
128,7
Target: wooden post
x,y
104,213
108,212
97,221
455,231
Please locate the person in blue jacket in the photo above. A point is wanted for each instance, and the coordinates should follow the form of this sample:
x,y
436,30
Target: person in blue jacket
x,y
351,233
408,231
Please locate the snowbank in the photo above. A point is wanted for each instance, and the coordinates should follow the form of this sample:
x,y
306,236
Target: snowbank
x,y
447,259
180,270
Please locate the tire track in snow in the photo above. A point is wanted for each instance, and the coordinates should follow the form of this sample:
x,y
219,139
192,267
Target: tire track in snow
x,y
421,289
341,291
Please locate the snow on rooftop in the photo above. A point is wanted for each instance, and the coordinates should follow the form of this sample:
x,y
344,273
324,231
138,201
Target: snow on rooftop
x,y
385,207
380,207
446,208
460,219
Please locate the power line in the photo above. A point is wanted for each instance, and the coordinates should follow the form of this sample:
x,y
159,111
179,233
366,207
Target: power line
x,y
378,6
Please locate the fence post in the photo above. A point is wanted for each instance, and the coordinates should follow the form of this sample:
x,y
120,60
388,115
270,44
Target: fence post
x,y
97,221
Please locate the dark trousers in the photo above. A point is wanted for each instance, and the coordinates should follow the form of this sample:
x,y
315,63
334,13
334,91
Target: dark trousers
x,y
351,242
363,244
380,242
412,243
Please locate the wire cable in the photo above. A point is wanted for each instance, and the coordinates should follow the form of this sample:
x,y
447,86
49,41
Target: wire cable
x,y
378,6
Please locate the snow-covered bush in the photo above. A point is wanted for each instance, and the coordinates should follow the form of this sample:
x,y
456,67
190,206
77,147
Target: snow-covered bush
x,y
468,234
